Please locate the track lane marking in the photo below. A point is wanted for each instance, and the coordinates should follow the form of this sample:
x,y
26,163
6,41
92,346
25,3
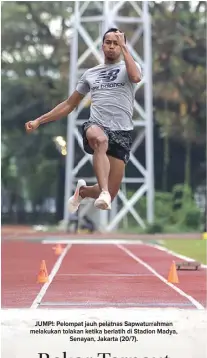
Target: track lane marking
x,y
92,241
116,304
52,274
105,274
148,267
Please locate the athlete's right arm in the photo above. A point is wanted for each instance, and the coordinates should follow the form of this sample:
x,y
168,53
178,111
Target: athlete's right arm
x,y
61,110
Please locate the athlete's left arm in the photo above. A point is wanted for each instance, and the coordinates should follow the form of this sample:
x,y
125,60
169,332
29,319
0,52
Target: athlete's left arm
x,y
133,72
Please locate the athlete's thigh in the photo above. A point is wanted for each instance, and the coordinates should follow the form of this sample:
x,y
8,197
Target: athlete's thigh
x,y
92,133
117,167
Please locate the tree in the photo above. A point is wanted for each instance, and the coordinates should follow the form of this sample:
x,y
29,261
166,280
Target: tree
x,y
35,63
35,66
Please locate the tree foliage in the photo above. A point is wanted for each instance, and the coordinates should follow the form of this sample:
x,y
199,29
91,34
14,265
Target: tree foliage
x,y
179,47
35,69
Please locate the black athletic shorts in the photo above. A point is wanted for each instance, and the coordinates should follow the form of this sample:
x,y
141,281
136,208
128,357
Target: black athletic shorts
x,y
119,142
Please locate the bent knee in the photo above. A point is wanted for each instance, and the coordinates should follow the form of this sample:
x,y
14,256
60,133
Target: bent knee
x,y
102,140
100,143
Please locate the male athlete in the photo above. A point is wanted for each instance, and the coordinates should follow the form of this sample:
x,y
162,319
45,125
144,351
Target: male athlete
x,y
107,133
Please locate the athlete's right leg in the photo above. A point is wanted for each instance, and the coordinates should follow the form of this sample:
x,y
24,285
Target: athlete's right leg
x,y
82,191
117,168
98,142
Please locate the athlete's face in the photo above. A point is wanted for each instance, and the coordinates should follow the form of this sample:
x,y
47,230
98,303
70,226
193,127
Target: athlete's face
x,y
111,49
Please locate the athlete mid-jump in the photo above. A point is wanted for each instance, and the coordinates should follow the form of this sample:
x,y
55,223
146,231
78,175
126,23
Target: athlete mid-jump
x,y
107,133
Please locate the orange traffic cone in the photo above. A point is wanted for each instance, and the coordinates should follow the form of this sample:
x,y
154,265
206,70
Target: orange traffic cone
x,y
173,276
58,249
43,275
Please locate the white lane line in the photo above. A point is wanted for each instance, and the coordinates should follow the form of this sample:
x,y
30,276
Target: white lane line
x,y
118,304
170,252
92,241
148,267
55,269
105,274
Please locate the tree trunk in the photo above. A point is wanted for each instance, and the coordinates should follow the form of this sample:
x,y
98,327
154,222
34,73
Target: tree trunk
x,y
187,163
166,152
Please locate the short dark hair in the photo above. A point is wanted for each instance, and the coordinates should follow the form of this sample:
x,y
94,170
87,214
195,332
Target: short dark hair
x,y
112,29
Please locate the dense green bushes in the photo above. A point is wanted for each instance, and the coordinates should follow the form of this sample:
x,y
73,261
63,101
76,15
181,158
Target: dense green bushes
x,y
173,212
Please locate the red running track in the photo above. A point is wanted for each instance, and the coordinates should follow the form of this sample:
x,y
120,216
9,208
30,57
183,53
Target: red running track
x,y
95,275
20,265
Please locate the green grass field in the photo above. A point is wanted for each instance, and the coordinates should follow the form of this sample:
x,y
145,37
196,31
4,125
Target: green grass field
x,y
195,249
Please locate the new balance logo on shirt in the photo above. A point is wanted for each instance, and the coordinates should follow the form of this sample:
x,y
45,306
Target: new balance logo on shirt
x,y
105,80
112,95
107,76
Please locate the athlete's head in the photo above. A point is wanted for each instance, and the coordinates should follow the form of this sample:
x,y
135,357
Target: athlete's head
x,y
111,49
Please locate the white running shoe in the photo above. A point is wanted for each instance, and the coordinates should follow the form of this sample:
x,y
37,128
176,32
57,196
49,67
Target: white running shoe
x,y
75,200
104,201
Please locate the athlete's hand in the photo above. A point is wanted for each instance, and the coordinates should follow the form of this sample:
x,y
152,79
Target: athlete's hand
x,y
120,38
31,125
